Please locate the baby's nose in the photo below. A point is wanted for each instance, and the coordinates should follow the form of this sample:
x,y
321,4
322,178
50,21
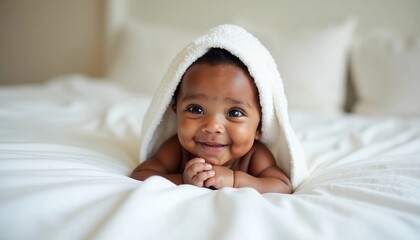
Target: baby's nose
x,y
213,124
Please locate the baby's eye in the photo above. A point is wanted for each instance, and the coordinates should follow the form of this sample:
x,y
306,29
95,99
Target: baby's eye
x,y
195,109
235,113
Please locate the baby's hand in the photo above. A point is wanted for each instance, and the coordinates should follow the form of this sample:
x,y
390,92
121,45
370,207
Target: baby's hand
x,y
197,171
223,177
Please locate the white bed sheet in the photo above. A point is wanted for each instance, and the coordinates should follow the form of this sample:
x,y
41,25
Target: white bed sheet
x,y
67,147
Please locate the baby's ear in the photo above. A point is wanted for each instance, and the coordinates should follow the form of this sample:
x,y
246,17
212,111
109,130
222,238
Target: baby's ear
x,y
173,106
258,134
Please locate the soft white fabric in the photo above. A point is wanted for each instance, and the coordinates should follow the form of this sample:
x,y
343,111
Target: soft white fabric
x,y
313,62
64,162
386,73
74,102
160,121
143,53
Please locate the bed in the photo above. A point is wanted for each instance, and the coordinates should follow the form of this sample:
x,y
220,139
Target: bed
x,y
68,145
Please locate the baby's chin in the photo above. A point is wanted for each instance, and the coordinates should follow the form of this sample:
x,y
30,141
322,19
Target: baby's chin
x,y
211,158
217,162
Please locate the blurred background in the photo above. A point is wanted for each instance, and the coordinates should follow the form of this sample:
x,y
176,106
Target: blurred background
x,y
44,38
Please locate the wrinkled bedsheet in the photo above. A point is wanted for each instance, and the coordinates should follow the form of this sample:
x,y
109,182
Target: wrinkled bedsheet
x,y
67,147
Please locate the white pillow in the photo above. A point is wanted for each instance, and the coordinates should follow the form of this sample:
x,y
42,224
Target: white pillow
x,y
144,52
313,63
386,74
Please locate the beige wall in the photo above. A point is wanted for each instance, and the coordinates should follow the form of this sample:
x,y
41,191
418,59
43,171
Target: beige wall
x,y
44,38
400,15
40,39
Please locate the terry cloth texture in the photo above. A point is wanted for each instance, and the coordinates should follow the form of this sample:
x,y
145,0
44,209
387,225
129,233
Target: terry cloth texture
x,y
160,122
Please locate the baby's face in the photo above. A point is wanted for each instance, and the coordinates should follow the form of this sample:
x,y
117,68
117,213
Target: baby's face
x,y
218,112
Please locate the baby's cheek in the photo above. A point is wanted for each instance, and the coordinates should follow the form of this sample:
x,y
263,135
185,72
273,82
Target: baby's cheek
x,y
186,133
185,128
243,137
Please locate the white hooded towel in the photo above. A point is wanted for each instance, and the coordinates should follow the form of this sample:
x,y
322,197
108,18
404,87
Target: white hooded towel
x,y
160,122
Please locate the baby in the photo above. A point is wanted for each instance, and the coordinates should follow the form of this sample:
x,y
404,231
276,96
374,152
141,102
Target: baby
x,y
219,127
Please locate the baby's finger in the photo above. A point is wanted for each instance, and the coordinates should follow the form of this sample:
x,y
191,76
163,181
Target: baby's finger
x,y
203,176
194,161
199,167
210,182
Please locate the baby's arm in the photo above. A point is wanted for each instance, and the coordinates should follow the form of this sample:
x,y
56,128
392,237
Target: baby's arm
x,y
264,174
166,163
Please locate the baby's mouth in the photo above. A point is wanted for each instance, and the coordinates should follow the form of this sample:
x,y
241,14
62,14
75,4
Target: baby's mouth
x,y
212,147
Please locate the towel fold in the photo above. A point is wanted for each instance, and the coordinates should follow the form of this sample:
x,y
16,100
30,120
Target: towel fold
x,y
160,122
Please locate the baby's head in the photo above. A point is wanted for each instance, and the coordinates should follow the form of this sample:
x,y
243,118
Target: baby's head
x,y
217,108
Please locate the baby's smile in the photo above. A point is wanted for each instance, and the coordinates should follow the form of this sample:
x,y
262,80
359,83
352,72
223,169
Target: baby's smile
x,y
212,147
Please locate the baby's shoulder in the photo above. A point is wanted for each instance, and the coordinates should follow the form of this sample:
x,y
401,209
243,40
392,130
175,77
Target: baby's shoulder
x,y
260,150
171,145
259,146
